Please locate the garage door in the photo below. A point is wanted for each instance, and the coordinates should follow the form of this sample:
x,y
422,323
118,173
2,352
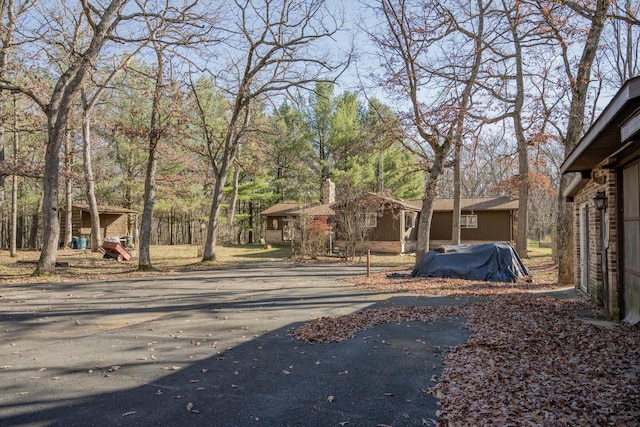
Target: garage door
x,y
631,245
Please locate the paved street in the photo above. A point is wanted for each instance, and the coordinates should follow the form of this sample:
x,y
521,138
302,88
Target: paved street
x,y
213,348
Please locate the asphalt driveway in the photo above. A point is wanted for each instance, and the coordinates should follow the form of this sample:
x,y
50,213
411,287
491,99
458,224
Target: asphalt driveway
x,y
214,348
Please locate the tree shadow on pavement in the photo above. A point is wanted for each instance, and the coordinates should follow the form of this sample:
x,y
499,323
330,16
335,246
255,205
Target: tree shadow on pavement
x,y
378,377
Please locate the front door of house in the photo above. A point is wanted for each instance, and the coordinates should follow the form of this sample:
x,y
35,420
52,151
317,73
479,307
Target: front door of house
x,y
631,242
584,247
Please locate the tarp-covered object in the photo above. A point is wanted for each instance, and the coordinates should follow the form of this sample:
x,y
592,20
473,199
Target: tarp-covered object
x,y
491,262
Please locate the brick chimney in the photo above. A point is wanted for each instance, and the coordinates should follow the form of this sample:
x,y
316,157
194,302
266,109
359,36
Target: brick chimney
x,y
328,194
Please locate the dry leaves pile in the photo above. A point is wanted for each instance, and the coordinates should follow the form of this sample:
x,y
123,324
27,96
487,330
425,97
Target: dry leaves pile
x,y
530,360
336,329
446,287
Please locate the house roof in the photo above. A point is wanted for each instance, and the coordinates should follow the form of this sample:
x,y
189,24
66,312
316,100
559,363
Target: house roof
x,y
109,210
440,205
473,204
610,133
372,198
295,209
405,204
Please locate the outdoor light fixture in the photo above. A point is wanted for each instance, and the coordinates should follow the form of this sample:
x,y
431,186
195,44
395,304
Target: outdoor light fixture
x,y
600,199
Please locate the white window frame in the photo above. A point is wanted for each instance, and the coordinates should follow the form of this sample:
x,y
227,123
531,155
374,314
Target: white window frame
x,y
410,219
368,219
468,221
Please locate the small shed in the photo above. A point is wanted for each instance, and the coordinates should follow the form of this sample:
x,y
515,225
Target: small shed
x,y
114,221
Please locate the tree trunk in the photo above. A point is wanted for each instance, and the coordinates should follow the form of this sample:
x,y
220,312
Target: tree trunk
x,y
57,112
432,179
251,238
523,202
172,226
521,139
13,249
424,226
210,244
575,127
457,181
68,191
381,170
51,219
478,41
2,179
231,147
234,197
8,19
144,261
89,180
35,225
564,236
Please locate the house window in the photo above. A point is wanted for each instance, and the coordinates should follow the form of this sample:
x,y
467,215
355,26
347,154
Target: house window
x,y
410,220
369,220
468,221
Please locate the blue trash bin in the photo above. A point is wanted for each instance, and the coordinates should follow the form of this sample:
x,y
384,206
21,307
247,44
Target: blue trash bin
x,y
82,243
74,243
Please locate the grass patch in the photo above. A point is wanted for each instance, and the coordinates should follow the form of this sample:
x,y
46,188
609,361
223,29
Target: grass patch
x,y
86,265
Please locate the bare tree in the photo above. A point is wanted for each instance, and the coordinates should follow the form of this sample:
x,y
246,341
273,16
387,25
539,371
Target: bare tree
x,y
579,78
155,135
89,101
10,13
102,21
466,71
515,16
68,189
13,249
440,97
168,31
621,44
273,48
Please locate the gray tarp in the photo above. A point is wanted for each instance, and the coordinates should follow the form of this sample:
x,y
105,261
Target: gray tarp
x,y
492,262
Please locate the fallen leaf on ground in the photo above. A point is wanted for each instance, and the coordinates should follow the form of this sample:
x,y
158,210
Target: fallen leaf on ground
x,y
530,359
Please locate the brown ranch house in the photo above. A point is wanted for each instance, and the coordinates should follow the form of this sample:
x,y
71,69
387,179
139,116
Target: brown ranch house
x,y
395,223
482,220
114,222
606,198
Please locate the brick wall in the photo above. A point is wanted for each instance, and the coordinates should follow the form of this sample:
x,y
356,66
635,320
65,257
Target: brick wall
x,y
602,180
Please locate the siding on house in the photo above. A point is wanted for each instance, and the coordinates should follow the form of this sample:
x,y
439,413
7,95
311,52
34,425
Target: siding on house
x,y
396,224
497,220
495,226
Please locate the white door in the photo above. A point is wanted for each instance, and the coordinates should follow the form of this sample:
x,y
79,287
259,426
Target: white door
x,y
584,247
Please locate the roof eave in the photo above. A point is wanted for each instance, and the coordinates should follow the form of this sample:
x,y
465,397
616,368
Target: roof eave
x,y
628,92
576,185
